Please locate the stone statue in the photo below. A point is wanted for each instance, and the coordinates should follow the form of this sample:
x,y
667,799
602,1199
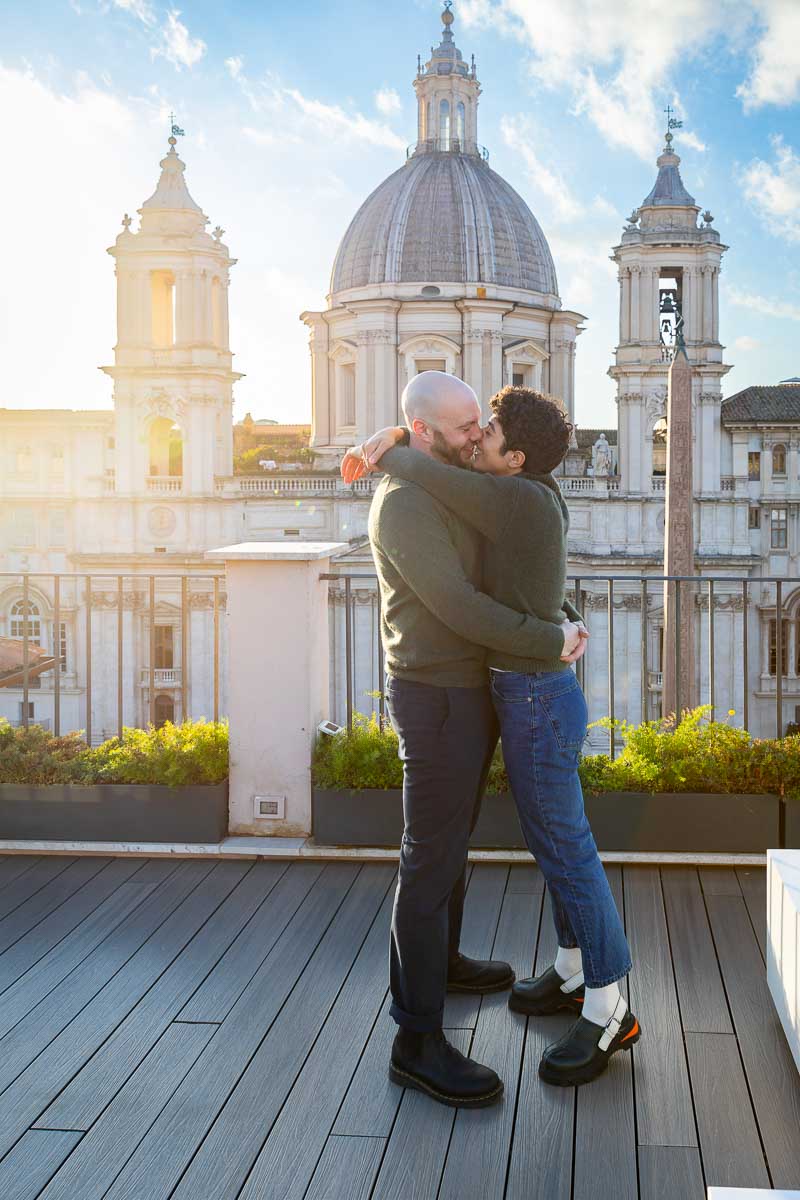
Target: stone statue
x,y
601,456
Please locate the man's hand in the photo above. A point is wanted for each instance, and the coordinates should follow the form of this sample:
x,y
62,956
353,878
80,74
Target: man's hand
x,y
572,638
580,649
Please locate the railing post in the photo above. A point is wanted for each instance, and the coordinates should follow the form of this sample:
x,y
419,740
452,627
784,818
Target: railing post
x,y
278,677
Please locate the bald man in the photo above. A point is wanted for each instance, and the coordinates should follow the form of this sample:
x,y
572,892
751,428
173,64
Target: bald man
x,y
436,625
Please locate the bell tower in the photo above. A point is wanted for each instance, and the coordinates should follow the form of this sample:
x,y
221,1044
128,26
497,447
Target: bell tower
x,y
172,372
668,268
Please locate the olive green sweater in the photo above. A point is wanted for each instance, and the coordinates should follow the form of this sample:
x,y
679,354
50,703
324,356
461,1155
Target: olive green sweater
x,y
436,623
524,521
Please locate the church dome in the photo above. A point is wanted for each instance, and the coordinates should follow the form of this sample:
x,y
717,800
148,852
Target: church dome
x,y
445,217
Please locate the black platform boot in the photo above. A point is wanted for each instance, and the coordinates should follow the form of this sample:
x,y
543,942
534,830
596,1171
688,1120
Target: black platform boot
x,y
430,1064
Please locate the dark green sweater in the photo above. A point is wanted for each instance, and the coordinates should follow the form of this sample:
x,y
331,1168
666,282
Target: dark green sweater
x,y
436,622
524,521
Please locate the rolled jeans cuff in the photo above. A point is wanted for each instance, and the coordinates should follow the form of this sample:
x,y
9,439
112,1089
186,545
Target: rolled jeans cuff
x,y
417,1022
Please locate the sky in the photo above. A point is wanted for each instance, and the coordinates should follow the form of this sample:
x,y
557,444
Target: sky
x,y
294,113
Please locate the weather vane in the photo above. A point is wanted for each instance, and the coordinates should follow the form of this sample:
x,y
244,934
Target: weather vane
x,y
672,122
175,130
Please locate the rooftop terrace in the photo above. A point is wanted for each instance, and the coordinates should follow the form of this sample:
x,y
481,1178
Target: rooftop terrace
x,y
220,1029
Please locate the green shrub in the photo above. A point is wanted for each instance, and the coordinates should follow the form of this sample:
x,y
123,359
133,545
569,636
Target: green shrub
x,y
34,756
694,755
193,752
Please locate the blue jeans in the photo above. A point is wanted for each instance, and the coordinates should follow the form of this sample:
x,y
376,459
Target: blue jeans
x,y
543,726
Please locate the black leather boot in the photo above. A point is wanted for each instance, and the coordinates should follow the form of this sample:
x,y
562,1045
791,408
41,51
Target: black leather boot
x,y
583,1052
430,1064
478,975
547,993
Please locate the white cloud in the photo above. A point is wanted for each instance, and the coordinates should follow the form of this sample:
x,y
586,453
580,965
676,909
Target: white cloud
x,y
775,77
773,190
685,137
138,8
781,309
519,135
234,66
745,343
176,44
387,102
333,121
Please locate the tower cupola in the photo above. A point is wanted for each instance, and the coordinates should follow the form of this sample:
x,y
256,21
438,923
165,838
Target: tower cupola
x,y
447,98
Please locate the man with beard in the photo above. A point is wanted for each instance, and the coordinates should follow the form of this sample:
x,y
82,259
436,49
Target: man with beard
x,y
436,625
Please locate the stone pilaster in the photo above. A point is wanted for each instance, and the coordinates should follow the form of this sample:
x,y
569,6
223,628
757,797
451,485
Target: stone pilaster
x,y
679,689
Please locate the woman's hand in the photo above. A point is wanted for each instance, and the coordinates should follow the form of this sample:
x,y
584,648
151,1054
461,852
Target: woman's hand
x,y
359,460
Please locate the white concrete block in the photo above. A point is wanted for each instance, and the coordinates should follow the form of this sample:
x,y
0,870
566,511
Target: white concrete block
x,y
783,941
725,1193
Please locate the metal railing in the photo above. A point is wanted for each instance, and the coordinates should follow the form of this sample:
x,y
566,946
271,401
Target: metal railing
x,y
606,597
83,604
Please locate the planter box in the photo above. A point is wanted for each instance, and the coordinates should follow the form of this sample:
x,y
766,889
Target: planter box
x,y
114,812
623,821
792,830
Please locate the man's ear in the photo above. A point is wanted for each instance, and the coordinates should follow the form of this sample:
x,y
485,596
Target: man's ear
x,y
517,459
421,430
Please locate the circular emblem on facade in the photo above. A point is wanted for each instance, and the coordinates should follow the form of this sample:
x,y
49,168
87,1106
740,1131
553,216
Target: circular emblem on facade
x,y
161,521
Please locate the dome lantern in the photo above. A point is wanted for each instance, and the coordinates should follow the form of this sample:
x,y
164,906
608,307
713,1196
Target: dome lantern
x,y
447,98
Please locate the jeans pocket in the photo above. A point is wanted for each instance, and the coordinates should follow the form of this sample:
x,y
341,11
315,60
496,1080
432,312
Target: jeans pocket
x,y
509,687
568,715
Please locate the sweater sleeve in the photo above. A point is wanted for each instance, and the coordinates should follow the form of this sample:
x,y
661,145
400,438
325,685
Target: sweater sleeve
x,y
417,542
483,501
571,611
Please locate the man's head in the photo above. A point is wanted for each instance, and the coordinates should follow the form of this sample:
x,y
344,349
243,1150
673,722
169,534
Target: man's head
x,y
443,415
527,432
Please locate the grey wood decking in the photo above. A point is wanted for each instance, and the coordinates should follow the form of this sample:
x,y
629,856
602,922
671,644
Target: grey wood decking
x,y
191,1028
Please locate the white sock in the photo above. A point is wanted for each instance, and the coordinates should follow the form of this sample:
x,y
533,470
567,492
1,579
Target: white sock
x,y
569,964
601,1004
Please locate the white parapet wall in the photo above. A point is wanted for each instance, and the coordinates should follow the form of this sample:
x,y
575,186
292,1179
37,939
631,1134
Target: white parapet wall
x,y
278,685
783,942
725,1193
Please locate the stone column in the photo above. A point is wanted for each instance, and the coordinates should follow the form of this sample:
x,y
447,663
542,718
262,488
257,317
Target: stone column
x,y
650,302
707,304
496,378
318,343
624,304
183,308
385,403
715,305
679,691
471,358
362,385
635,304
278,677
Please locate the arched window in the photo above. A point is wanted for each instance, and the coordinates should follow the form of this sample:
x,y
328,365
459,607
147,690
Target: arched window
x,y
162,304
444,124
24,460
460,123
166,447
18,622
660,447
347,408
779,460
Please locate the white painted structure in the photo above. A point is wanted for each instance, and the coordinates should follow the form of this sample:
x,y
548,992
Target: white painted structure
x,y
783,941
443,266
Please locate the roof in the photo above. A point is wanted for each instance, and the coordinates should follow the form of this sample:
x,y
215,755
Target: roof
x,y
764,405
668,190
445,217
586,438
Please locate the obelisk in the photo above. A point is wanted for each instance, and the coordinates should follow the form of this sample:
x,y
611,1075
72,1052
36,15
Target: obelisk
x,y
679,667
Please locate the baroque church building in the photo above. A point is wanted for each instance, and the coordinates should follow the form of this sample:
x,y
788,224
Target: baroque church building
x,y
443,267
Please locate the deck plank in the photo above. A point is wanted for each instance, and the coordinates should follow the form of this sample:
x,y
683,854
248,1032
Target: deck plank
x,y
540,1163
663,1095
32,1162
91,1090
703,1005
14,866
753,882
370,1106
37,943
77,1019
524,877
31,882
223,986
729,1145
719,881
482,906
771,1071
670,1171
48,899
108,1145
289,1156
605,1132
415,1154
242,1045
479,1148
348,1168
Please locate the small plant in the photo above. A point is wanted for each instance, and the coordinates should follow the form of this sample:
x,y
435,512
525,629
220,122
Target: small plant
x,y
362,757
194,752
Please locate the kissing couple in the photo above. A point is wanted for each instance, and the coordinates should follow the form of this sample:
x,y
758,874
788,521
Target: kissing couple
x,y
468,530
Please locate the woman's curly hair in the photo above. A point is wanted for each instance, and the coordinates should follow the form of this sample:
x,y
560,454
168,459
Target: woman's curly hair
x,y
533,423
